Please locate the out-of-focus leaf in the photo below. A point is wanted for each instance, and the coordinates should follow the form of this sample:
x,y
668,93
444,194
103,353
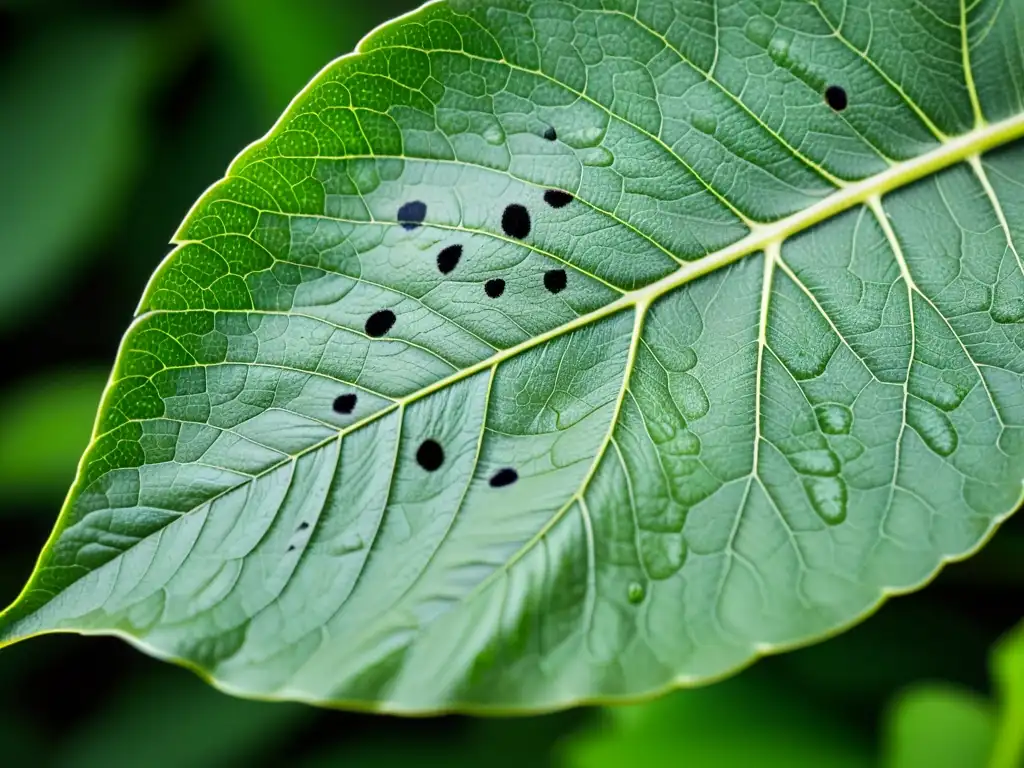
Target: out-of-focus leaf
x,y
71,137
893,650
21,744
171,720
383,754
939,726
280,46
490,743
46,425
741,722
1008,672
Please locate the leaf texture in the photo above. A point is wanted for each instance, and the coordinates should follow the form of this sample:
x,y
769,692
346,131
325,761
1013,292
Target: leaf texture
x,y
547,352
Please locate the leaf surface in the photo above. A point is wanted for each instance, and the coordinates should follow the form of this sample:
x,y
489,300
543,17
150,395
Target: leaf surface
x,y
547,352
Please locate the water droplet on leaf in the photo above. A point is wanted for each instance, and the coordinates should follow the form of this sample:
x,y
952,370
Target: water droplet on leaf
x,y
759,30
834,419
823,463
705,122
934,426
828,498
493,134
636,592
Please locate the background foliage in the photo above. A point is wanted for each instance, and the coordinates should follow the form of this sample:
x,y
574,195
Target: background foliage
x,y
115,118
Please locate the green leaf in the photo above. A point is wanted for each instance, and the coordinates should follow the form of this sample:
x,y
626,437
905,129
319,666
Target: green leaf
x,y
22,744
71,138
742,721
279,46
502,743
1008,671
47,426
165,722
550,352
939,726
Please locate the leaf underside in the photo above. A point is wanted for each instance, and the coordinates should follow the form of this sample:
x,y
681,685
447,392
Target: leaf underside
x,y
559,351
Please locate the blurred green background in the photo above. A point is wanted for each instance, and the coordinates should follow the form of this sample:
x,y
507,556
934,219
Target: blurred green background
x,y
115,117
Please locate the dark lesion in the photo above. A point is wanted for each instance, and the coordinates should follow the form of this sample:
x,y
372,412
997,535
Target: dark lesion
x,y
430,455
836,97
494,288
412,214
345,404
379,323
555,280
556,198
448,259
503,478
515,222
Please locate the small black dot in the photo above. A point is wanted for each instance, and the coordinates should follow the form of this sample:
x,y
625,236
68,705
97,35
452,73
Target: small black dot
x,y
448,259
303,526
835,97
411,215
504,477
551,134
380,323
291,548
557,199
516,221
430,455
495,287
554,280
345,404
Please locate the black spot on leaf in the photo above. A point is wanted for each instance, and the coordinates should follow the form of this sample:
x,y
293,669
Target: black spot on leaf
x,y
411,215
380,323
291,548
504,477
448,259
551,134
345,404
303,526
495,287
430,455
554,280
835,97
557,199
516,221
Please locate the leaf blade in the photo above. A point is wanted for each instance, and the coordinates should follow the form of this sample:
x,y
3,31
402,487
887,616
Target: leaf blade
x,y
704,383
